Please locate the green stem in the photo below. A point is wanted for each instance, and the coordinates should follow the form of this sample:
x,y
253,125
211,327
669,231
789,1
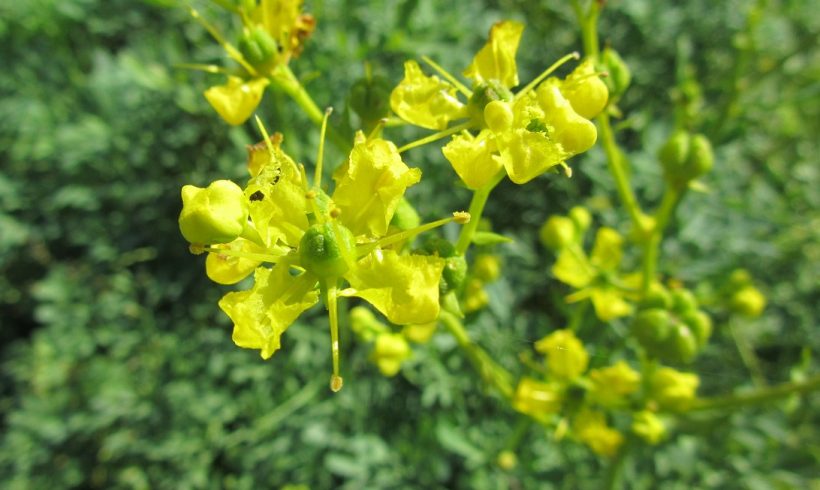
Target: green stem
x,y
476,209
759,396
671,199
747,355
615,469
284,79
490,372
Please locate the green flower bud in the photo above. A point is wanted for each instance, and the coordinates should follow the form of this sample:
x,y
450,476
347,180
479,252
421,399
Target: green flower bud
x,y
557,232
657,297
485,93
498,116
454,274
215,214
370,99
685,157
327,250
619,75
506,460
748,301
438,246
405,216
683,301
652,328
258,48
700,324
739,278
684,344
486,267
581,217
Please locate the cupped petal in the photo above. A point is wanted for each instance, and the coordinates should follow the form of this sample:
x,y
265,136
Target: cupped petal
x,y
370,189
496,60
236,100
572,268
262,314
425,101
474,158
227,269
607,250
276,195
404,288
527,154
609,304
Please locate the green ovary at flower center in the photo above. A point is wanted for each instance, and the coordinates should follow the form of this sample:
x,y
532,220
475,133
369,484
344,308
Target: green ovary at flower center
x,y
327,250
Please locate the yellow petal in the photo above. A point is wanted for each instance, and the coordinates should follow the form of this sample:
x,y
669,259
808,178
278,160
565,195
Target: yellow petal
x,y
371,187
262,314
536,398
572,268
236,100
226,269
566,356
496,60
403,287
609,304
278,206
425,101
585,90
607,250
473,158
527,154
214,214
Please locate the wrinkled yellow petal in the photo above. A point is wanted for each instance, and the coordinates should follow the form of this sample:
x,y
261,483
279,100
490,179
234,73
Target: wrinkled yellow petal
x,y
607,250
262,314
278,18
590,428
585,90
278,206
572,268
473,158
425,101
566,356
496,60
609,304
236,100
371,187
536,398
527,154
403,287
226,269
612,385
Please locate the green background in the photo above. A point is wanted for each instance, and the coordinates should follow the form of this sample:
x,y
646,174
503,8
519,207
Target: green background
x,y
117,369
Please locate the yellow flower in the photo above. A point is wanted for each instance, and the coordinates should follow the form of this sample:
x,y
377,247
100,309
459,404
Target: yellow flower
x,y
526,134
390,351
216,214
648,426
673,390
611,385
566,357
595,276
590,428
537,399
319,240
236,100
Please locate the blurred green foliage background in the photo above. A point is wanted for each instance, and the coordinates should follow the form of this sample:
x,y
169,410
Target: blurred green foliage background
x,y
117,369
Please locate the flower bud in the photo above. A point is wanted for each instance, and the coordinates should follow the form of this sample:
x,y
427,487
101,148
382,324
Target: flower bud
x,y
405,217
619,75
390,351
365,324
748,301
485,93
652,327
581,218
558,232
684,345
685,157
454,274
498,116
327,250
215,214
486,267
700,324
683,301
258,48
370,99
506,460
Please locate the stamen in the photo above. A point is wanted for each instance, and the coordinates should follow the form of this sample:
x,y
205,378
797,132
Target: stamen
x,y
317,177
436,136
567,169
572,56
336,380
201,67
377,129
228,47
447,76
366,248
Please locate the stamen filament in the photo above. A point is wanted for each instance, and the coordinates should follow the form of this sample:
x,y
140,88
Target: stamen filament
x,y
572,56
377,129
332,293
228,47
270,258
436,136
447,76
201,67
366,248
317,177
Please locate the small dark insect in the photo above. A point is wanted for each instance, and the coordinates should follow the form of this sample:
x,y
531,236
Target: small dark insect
x,y
258,196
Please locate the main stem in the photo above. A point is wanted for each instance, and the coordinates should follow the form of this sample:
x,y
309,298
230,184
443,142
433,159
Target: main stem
x,y
757,397
669,202
476,209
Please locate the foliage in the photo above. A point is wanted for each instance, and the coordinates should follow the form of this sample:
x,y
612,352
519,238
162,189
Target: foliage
x,y
117,371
